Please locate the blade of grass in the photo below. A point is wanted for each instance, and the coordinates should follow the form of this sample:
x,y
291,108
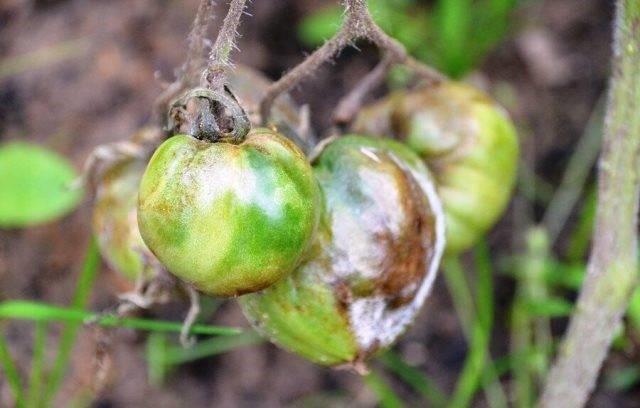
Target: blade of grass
x,y
460,293
69,333
387,398
414,378
478,368
37,365
10,371
453,24
581,237
207,348
496,396
42,57
575,176
538,243
161,357
156,352
522,389
24,310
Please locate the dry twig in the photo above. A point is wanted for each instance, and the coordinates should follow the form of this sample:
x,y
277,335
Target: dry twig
x,y
358,24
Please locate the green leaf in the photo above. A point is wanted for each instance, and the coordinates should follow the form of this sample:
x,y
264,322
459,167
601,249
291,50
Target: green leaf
x,y
34,185
551,307
320,26
623,379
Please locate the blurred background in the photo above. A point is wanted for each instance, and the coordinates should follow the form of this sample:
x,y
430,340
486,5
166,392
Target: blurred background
x,y
78,73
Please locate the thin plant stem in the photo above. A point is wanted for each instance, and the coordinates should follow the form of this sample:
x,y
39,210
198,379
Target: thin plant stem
x,y
197,44
349,105
37,365
613,263
387,398
357,24
190,72
575,175
219,58
522,391
476,329
415,378
11,371
69,334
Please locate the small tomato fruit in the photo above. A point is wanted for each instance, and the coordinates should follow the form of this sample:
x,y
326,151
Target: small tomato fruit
x,y
115,215
469,143
229,218
372,264
115,208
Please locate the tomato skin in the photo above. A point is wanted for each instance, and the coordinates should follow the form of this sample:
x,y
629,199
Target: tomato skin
x,y
373,260
469,143
114,218
229,218
115,207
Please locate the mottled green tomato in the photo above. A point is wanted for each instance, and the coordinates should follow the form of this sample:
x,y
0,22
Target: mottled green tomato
x,y
373,261
115,209
469,143
114,215
229,218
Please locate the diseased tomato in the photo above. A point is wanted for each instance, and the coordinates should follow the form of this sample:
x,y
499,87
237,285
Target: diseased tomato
x,y
373,261
115,208
115,222
229,218
469,143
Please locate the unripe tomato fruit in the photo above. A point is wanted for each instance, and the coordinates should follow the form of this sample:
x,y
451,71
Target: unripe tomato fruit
x,y
115,222
469,143
373,261
115,207
229,218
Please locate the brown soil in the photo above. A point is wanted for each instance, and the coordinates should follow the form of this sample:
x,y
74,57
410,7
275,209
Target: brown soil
x,y
550,73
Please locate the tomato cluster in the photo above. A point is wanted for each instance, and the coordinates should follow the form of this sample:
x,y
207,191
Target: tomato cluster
x,y
334,257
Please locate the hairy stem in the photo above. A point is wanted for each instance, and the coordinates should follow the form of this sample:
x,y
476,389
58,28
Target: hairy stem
x,y
197,44
219,60
190,71
358,24
613,264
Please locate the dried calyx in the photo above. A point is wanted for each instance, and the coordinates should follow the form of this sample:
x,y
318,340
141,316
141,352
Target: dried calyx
x,y
210,115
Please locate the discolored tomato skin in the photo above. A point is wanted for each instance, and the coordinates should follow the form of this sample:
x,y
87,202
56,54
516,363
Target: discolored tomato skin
x,y
115,214
114,219
469,143
373,261
229,218
115,208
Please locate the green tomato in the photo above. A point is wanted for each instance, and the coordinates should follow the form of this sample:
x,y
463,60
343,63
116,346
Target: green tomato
x,y
115,208
115,216
469,143
114,219
373,261
229,218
